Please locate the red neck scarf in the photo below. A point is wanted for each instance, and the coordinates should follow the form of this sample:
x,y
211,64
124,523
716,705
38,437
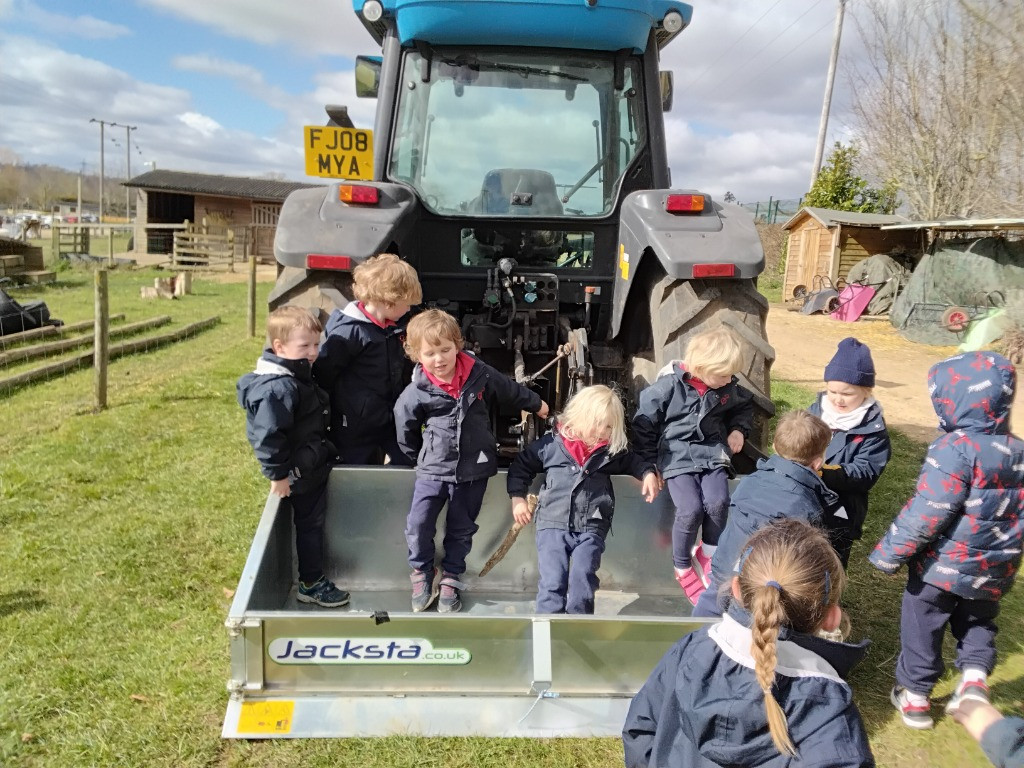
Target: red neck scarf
x,y
374,320
694,382
579,450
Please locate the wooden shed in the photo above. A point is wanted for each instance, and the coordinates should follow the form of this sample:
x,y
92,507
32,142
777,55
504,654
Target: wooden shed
x,y
223,202
828,243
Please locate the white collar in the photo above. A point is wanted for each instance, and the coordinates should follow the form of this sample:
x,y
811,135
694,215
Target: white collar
x,y
844,421
736,640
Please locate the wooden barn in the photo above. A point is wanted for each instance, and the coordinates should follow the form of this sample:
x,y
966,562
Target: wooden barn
x,y
223,202
824,242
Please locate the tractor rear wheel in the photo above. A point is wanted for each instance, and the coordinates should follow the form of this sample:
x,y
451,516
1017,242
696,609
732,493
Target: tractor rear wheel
x,y
322,292
679,309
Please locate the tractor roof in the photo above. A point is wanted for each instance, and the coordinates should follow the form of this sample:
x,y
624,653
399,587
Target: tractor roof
x,y
598,25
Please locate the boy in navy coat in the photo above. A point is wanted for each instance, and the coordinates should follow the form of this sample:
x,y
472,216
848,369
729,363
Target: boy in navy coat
x,y
785,485
960,535
362,365
288,424
860,446
443,423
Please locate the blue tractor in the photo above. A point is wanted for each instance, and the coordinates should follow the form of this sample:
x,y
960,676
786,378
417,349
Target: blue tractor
x,y
520,164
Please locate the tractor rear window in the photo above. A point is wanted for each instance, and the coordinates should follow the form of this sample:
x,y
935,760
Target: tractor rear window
x,y
483,247
504,134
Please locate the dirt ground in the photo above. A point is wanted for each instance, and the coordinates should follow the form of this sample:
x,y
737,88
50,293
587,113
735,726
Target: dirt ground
x,y
805,343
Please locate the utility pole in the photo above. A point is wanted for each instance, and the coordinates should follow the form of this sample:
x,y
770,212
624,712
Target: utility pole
x,y
827,103
128,168
103,124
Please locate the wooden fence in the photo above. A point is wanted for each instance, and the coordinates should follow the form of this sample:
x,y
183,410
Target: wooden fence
x,y
197,248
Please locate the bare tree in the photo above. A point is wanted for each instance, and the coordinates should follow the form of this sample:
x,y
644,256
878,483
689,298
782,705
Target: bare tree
x,y
939,103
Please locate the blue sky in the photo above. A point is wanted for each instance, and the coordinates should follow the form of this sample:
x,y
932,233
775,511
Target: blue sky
x,y
225,86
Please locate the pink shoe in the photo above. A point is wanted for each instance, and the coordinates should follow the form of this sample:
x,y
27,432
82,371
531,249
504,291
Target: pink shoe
x,y
701,564
692,586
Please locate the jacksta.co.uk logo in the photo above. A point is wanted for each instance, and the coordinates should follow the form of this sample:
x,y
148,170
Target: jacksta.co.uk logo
x,y
362,650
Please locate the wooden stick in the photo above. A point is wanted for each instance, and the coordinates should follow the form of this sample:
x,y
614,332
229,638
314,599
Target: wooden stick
x,y
509,540
63,345
50,330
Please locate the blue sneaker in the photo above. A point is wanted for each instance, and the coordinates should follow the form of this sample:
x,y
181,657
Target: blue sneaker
x,y
323,592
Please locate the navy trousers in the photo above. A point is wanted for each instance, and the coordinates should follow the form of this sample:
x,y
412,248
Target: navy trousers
x,y
308,512
926,611
702,501
568,563
428,499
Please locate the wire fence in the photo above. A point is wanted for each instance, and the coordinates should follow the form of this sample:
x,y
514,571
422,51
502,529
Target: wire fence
x,y
774,211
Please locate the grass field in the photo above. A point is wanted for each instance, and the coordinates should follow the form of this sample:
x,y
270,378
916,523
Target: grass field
x,y
123,532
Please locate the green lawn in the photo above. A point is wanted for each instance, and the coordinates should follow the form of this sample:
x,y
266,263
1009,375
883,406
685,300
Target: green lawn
x,y
122,532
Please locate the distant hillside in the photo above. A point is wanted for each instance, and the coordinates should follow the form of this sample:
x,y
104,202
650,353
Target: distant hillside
x,y
41,187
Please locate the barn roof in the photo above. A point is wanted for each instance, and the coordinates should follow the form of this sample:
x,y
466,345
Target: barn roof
x,y
182,182
828,217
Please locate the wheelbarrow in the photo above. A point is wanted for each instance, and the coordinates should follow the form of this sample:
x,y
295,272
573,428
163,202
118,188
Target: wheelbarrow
x,y
823,296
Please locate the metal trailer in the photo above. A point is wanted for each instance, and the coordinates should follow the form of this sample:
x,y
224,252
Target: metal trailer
x,y
496,669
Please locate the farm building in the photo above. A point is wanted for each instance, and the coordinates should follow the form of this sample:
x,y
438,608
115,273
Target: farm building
x,y
224,203
827,243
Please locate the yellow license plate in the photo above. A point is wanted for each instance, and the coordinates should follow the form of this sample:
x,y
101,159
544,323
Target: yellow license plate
x,y
339,153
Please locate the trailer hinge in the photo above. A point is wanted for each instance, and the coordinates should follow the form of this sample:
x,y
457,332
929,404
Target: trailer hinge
x,y
235,626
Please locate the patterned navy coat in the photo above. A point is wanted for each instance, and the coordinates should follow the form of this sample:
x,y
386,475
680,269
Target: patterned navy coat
x,y
854,461
962,530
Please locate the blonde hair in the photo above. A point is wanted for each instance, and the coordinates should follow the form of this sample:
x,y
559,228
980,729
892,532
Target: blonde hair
x,y
432,327
716,352
588,411
283,321
790,576
386,279
801,437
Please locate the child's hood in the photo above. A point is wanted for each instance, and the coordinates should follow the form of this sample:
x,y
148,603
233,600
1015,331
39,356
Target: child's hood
x,y
973,392
268,368
350,314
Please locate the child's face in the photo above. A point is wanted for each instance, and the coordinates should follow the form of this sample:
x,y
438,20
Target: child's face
x,y
844,397
439,359
601,433
301,344
395,312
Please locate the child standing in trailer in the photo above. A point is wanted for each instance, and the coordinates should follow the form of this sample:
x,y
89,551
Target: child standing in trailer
x,y
960,535
574,512
785,485
762,687
362,364
443,423
690,422
287,418
860,447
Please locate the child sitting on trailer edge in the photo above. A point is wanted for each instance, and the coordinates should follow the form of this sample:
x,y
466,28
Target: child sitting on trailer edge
x,y
288,422
443,423
764,686
574,513
690,422
362,365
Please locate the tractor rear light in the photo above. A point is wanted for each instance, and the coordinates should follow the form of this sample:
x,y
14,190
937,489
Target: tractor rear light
x,y
684,203
714,270
352,193
324,261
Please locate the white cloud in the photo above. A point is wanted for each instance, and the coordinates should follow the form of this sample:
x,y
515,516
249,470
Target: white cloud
x,y
88,27
310,27
206,126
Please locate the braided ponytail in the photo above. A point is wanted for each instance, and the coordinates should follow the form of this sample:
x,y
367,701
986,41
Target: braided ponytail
x,y
768,616
790,577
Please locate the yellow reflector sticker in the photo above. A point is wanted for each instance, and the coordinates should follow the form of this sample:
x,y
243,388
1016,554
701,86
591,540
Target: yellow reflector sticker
x,y
266,717
623,261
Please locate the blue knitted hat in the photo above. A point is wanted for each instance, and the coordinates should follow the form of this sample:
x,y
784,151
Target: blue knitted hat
x,y
851,363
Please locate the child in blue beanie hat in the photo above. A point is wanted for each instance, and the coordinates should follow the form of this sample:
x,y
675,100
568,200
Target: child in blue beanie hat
x,y
860,447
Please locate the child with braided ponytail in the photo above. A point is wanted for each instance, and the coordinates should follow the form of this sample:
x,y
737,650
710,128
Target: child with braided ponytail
x,y
764,686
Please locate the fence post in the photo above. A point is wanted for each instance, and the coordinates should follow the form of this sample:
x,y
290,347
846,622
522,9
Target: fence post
x,y
251,315
110,246
757,210
101,338
55,243
231,250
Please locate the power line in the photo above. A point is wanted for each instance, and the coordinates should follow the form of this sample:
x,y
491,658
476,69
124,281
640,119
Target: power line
x,y
758,51
734,43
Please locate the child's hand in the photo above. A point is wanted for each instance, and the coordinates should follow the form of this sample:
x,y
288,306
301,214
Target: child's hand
x,y
281,488
542,412
735,441
651,486
521,510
